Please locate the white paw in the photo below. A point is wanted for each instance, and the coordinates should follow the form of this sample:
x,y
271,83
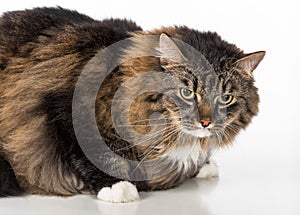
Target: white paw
x,y
209,170
122,191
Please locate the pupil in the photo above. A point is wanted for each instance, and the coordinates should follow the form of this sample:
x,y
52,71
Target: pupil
x,y
225,98
186,92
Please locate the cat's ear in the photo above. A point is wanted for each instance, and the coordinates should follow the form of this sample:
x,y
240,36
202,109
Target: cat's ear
x,y
169,50
249,63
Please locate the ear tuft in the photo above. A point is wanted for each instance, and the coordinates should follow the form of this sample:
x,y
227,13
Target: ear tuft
x,y
169,49
249,63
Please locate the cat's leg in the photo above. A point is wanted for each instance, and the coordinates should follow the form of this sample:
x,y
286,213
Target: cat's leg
x,y
8,181
122,191
208,170
105,187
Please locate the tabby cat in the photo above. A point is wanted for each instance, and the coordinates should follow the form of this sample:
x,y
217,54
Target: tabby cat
x,y
43,53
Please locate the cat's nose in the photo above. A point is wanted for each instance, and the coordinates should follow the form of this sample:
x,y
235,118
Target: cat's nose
x,y
205,123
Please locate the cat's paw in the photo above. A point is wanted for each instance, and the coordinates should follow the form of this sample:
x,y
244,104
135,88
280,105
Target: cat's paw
x,y
209,170
122,191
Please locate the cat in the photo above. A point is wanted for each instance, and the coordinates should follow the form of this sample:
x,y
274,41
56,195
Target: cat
x,y
43,53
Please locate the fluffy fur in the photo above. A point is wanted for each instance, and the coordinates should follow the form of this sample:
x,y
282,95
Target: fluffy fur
x,y
42,54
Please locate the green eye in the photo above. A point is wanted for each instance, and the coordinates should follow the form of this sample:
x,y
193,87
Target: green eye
x,y
186,93
225,99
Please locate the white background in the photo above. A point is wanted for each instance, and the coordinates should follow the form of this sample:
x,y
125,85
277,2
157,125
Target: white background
x,y
260,174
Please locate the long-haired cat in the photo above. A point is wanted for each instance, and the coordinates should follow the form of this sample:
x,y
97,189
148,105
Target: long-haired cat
x,y
42,55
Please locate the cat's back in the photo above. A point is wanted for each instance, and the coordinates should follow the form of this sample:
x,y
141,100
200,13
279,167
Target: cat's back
x,y
20,27
21,32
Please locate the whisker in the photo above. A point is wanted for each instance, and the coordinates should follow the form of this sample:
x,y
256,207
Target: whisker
x,y
146,155
193,147
156,124
219,138
152,119
165,138
156,134
172,142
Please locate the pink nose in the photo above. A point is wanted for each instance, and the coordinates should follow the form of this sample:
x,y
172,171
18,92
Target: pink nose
x,y
205,123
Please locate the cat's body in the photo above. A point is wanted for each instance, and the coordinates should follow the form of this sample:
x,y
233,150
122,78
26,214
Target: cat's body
x,y
42,54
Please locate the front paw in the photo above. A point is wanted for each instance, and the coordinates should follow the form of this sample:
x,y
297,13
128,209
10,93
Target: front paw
x,y
209,170
122,191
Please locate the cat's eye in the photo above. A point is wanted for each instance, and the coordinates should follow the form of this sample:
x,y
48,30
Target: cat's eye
x,y
186,93
225,99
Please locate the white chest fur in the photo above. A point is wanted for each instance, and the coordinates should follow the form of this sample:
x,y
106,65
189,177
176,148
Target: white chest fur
x,y
187,155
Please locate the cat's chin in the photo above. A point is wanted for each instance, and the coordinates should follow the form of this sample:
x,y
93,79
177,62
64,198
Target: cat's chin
x,y
200,132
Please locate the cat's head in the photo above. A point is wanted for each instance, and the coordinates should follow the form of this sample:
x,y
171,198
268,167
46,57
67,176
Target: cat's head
x,y
220,100
198,101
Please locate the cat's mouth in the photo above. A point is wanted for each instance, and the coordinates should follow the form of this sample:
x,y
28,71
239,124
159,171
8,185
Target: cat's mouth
x,y
197,132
